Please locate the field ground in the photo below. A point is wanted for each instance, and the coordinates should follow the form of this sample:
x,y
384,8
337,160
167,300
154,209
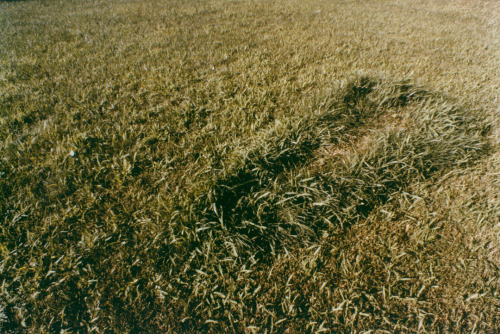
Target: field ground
x,y
249,166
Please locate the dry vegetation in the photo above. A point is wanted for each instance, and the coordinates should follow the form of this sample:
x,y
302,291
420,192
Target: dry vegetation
x,y
249,166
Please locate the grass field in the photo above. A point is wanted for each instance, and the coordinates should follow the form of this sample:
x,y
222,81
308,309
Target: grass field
x,y
249,166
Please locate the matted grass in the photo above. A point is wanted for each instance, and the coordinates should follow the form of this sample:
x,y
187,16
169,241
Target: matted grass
x,y
249,166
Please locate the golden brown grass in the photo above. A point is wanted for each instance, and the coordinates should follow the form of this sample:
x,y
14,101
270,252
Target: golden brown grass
x,y
249,166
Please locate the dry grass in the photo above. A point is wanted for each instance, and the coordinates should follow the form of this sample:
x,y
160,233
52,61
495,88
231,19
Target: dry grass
x,y
249,166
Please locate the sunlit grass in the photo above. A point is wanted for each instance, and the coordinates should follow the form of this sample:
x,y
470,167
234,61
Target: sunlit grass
x,y
249,166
